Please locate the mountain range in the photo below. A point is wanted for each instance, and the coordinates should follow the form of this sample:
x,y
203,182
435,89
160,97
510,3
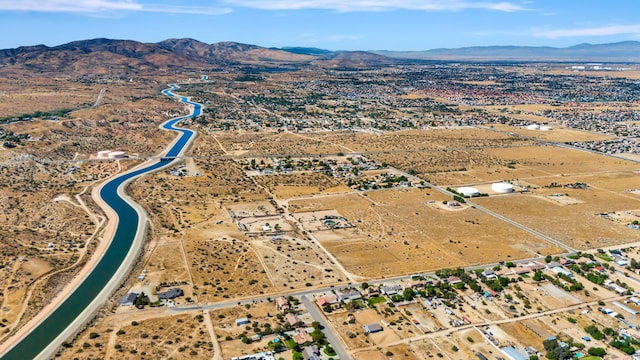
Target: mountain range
x,y
103,56
626,51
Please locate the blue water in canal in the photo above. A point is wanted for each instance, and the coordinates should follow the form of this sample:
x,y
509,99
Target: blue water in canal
x,y
52,326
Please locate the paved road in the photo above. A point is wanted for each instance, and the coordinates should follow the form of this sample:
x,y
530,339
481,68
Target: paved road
x,y
318,290
333,339
444,332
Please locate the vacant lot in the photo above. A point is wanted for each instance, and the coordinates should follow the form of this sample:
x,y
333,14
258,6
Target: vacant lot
x,y
398,231
292,261
273,144
553,160
576,225
556,135
300,184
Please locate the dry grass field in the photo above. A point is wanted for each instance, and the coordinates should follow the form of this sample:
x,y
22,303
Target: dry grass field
x,y
224,268
155,335
294,262
576,225
127,120
557,134
419,140
274,144
399,232
559,161
300,184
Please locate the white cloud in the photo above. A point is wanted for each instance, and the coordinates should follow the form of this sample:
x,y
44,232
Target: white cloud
x,y
593,31
378,5
102,6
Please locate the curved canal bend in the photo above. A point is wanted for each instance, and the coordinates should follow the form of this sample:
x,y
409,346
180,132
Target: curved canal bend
x,y
46,337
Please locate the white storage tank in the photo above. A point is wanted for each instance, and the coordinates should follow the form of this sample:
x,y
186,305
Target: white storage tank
x,y
545,128
104,154
116,155
502,188
533,127
468,191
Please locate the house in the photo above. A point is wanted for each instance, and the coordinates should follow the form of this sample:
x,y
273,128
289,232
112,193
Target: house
x,y
633,333
617,288
621,261
536,267
242,321
519,270
292,320
129,299
513,353
452,280
490,274
559,270
311,353
302,337
415,284
371,291
282,304
391,289
553,264
256,356
348,294
326,300
170,294
567,261
373,328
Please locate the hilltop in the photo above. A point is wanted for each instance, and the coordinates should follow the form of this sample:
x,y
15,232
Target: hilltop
x,y
106,56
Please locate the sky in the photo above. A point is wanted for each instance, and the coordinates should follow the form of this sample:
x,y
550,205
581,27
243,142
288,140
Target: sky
x,y
328,24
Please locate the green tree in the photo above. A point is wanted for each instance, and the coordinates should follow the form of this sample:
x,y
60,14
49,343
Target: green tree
x,y
596,351
318,336
408,294
538,276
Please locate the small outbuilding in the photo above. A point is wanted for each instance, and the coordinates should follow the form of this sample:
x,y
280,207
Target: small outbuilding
x,y
373,328
242,321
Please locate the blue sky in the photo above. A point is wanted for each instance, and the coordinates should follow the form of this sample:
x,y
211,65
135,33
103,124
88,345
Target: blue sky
x,y
329,24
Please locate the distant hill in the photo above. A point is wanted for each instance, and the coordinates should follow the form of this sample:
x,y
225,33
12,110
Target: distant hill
x,y
305,50
626,51
123,57
230,52
120,57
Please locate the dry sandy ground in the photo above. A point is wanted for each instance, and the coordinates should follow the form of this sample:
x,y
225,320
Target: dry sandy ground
x,y
556,135
399,232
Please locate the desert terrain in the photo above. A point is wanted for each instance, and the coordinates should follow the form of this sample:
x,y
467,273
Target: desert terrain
x,y
295,187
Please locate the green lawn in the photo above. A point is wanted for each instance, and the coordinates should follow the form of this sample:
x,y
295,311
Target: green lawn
x,y
377,300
